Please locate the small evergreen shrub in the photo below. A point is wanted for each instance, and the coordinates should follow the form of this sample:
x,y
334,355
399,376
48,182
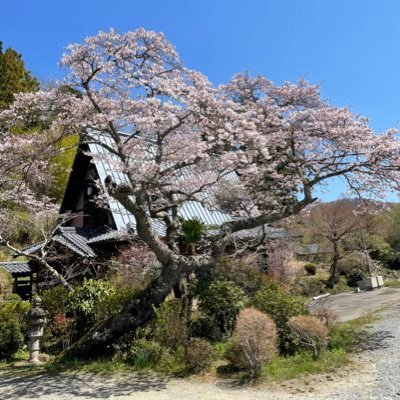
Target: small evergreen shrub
x,y
309,333
310,268
255,340
206,327
11,338
86,302
221,300
12,327
281,306
170,326
198,355
354,276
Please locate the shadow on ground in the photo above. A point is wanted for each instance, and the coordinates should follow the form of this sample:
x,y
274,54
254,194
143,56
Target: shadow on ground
x,y
31,384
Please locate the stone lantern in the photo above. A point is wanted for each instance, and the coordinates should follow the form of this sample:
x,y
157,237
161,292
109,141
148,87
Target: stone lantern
x,y
36,319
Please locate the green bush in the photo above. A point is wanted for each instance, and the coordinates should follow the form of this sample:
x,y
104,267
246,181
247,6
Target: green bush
x,y
354,276
220,300
55,300
13,325
86,303
15,310
11,338
170,325
144,353
310,285
205,326
249,278
310,268
281,306
198,355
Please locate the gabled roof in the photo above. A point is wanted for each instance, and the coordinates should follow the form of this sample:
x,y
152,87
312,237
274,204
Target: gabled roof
x,y
79,240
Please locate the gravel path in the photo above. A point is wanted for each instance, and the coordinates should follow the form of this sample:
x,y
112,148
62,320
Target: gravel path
x,y
373,374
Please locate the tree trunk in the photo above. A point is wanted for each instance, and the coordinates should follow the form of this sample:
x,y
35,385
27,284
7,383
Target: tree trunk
x,y
334,270
137,313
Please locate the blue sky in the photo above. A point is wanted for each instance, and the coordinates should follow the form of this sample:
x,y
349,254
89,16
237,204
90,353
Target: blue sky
x,y
351,48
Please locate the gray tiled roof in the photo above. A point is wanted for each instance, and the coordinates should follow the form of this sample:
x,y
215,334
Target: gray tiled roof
x,y
188,210
16,267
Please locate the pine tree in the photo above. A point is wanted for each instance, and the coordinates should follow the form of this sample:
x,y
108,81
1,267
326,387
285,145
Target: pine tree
x,y
14,78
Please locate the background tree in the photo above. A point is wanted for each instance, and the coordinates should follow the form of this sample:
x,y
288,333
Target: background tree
x,y
14,78
184,137
334,221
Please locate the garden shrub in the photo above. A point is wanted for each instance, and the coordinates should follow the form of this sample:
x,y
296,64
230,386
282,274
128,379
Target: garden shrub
x,y
310,286
13,326
355,259
86,301
354,276
11,338
248,277
55,299
205,326
220,300
144,353
310,268
309,333
255,340
170,325
198,355
281,306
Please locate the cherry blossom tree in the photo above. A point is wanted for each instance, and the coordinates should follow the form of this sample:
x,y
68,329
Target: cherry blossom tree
x,y
250,147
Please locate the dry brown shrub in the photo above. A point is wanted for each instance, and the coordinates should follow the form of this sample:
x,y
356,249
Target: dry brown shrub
x,y
257,337
328,317
310,332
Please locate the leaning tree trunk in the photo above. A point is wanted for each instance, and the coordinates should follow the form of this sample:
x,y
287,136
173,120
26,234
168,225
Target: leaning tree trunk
x,y
137,313
334,270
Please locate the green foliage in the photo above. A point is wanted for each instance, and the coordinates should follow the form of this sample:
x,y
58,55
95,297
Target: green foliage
x,y
247,277
349,336
5,283
205,326
354,276
198,355
353,260
170,327
310,285
283,368
86,301
14,78
281,306
192,231
11,338
310,268
220,300
144,354
12,327
62,163
55,300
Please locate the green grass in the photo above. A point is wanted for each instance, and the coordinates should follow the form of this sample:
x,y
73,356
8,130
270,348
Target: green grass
x,y
283,368
392,283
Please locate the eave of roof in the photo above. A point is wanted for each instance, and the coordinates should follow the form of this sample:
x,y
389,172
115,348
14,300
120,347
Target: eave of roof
x,y
17,267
